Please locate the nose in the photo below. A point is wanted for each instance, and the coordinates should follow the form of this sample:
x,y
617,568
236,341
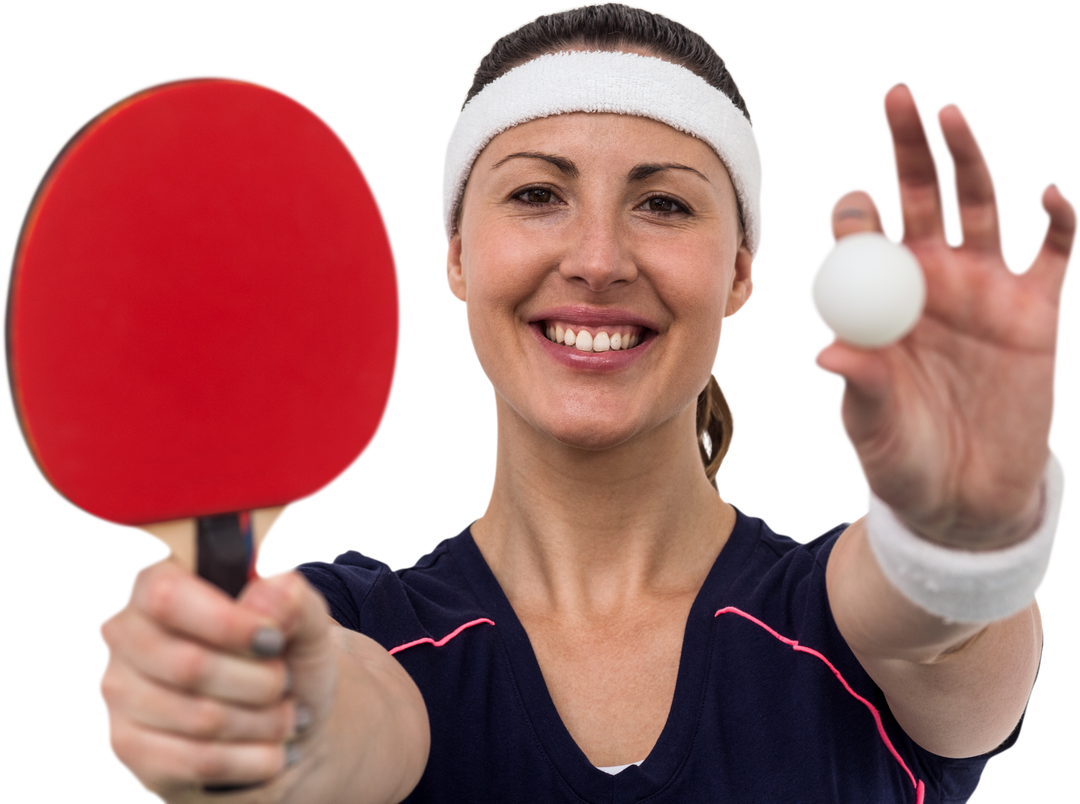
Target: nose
x,y
599,255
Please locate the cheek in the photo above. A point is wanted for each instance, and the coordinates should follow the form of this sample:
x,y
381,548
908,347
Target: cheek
x,y
694,283
500,266
500,274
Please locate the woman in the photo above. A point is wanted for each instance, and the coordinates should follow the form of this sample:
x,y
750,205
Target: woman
x,y
610,629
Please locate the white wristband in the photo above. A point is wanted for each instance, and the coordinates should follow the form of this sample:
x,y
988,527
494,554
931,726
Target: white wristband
x,y
963,585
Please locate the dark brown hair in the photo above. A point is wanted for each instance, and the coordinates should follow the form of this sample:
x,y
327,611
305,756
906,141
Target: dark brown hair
x,y
612,27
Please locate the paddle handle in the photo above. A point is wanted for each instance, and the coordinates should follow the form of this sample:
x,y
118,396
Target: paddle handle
x,y
225,550
221,548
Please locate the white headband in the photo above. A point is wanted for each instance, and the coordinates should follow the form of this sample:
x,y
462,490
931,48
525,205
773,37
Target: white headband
x,y
616,83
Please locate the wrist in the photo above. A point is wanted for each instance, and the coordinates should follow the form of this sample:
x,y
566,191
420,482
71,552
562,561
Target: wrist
x,y
966,585
983,531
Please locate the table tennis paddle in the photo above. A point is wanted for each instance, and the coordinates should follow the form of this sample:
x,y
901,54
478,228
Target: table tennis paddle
x,y
202,318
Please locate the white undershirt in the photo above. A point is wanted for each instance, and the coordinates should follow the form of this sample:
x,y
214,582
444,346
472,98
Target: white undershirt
x,y
613,769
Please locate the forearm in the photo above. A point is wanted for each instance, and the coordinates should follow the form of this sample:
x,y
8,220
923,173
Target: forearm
x,y
968,701
957,689
876,619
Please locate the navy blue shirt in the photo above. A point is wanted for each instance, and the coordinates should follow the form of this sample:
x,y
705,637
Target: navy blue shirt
x,y
770,704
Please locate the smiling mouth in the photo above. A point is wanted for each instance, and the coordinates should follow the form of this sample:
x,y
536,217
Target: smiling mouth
x,y
607,338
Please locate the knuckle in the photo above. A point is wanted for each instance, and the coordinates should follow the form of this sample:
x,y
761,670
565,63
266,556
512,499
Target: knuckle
x,y
126,745
104,630
296,591
208,719
122,690
281,598
119,743
106,687
190,666
208,761
217,762
110,631
266,685
159,595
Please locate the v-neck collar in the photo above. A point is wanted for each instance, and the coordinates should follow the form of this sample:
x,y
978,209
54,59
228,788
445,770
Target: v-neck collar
x,y
676,739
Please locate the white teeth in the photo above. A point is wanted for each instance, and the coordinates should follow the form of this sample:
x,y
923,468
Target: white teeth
x,y
586,341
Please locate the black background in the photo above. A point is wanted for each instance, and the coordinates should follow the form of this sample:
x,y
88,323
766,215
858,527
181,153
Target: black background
x,y
391,83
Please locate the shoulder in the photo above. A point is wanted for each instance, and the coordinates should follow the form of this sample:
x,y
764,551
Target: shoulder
x,y
784,547
400,606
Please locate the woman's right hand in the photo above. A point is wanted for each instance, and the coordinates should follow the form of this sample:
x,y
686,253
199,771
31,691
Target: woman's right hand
x,y
204,690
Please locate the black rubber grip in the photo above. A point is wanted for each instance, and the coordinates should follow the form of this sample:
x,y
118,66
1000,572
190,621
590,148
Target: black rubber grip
x,y
223,557
224,550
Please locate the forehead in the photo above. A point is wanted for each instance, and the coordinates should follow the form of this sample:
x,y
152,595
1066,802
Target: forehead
x,y
597,141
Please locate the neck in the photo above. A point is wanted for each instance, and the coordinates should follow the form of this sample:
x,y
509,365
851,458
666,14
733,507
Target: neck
x,y
590,531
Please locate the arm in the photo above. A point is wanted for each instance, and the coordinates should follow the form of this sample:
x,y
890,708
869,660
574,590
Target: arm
x,y
951,426
957,689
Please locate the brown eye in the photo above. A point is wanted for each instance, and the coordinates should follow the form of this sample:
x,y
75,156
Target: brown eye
x,y
536,195
660,204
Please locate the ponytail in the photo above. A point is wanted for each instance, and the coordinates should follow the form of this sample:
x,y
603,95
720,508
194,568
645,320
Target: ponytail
x,y
717,426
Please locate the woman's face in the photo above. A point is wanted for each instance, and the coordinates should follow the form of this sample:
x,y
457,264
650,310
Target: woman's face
x,y
618,229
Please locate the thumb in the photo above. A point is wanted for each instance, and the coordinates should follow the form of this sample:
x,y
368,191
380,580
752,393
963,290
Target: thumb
x,y
855,213
863,373
304,636
298,611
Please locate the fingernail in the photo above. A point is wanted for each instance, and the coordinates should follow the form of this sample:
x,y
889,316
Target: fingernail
x,y
851,212
303,718
268,642
292,754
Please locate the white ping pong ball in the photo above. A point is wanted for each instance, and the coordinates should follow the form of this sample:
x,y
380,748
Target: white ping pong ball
x,y
869,290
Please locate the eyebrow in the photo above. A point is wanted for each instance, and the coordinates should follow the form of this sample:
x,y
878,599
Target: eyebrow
x,y
568,168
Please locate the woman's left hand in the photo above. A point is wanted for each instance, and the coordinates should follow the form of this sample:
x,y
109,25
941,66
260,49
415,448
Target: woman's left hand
x,y
951,423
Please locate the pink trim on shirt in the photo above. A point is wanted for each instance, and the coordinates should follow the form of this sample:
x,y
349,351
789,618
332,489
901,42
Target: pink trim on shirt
x,y
444,640
919,785
920,788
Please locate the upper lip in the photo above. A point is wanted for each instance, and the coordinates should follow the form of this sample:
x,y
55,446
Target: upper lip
x,y
586,316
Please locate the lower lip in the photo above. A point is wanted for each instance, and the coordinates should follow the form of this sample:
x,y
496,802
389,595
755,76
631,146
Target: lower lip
x,y
591,361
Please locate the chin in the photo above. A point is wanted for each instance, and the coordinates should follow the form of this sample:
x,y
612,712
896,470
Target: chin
x,y
594,437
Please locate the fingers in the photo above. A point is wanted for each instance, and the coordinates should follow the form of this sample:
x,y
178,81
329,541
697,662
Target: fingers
x,y
167,762
134,697
855,213
974,189
1049,266
190,666
919,195
289,600
195,696
189,606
